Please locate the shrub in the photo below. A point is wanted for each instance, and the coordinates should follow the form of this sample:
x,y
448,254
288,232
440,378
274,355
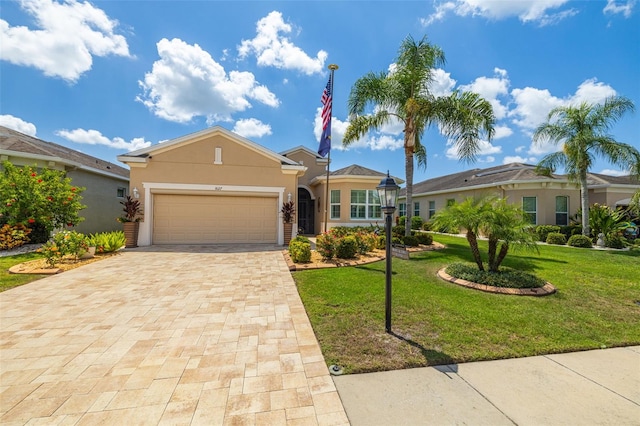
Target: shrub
x,y
410,240
580,241
381,242
416,222
398,230
505,277
424,238
39,233
51,253
544,230
300,251
366,241
570,230
71,243
13,236
302,238
402,220
326,245
426,226
614,241
107,242
347,247
556,238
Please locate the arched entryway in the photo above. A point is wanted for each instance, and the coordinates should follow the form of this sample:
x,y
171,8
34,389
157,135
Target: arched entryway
x,y
305,212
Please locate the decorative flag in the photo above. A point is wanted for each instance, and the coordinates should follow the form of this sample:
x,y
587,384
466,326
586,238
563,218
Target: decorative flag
x,y
325,139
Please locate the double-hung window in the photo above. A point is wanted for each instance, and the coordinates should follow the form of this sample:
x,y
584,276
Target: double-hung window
x,y
416,209
530,207
562,210
432,208
335,204
402,209
365,204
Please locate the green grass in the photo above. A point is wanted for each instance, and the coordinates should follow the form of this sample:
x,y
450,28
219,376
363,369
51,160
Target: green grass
x,y
7,280
436,322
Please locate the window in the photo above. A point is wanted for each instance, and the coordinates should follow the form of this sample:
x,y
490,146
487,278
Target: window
x,y
451,201
432,208
562,210
416,209
529,205
335,204
402,209
121,192
365,204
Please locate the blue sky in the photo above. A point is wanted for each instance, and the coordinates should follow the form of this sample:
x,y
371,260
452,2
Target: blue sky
x,y
108,77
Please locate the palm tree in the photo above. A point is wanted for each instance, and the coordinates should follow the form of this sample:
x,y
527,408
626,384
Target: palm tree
x,y
404,94
583,131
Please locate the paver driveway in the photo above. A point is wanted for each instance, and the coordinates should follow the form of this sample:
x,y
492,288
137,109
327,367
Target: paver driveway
x,y
168,335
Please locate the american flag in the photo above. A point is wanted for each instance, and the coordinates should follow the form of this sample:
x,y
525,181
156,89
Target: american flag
x,y
325,139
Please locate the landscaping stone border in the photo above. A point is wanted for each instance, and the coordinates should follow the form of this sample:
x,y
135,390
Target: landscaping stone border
x,y
545,290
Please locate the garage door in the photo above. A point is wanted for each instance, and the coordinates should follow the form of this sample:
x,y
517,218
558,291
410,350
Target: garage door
x,y
213,219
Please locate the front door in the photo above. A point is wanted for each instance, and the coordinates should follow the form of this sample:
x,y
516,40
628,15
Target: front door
x,y
305,212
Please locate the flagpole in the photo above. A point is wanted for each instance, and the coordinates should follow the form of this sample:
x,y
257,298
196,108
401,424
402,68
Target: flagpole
x,y
332,67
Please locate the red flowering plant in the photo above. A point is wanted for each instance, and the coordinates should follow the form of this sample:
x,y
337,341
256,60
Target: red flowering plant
x,y
42,198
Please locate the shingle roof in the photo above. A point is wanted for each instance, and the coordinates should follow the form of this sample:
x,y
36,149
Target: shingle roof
x,y
12,140
506,173
356,170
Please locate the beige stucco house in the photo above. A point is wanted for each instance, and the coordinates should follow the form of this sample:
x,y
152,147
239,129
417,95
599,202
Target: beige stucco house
x,y
549,200
214,186
106,183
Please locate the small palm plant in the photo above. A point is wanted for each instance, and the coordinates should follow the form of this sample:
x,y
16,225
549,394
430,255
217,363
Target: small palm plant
x,y
131,210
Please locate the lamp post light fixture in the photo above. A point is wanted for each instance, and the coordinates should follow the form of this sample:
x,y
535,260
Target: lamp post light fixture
x,y
388,195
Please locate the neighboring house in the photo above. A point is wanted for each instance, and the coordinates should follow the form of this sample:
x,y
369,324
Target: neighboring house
x,y
214,186
353,199
106,183
549,200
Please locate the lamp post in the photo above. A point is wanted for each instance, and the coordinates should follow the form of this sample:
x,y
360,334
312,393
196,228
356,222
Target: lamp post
x,y
388,195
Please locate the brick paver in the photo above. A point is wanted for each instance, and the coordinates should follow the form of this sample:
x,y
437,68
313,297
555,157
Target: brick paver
x,y
165,335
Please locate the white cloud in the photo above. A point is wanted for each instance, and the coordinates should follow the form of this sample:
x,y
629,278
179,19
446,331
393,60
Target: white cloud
x,y
611,172
485,148
542,12
70,34
532,106
442,83
502,132
275,50
520,148
518,159
94,137
186,82
616,6
251,128
490,88
591,91
18,124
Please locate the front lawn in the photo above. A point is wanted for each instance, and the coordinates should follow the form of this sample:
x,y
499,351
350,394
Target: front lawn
x,y
435,322
8,280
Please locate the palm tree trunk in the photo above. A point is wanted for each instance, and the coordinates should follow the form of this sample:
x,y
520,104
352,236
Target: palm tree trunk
x,y
475,251
584,203
503,253
408,167
493,245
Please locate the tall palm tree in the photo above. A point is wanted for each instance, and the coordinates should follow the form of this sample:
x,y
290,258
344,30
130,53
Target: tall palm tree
x,y
583,131
404,94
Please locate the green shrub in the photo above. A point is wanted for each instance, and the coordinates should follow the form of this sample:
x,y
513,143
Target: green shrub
x,y
302,238
556,238
569,230
39,233
416,222
366,241
410,240
381,242
614,241
51,253
505,277
347,247
424,238
544,230
71,243
300,251
402,220
107,242
426,226
13,236
398,230
326,245
580,241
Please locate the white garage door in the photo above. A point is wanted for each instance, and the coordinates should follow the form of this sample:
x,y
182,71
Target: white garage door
x,y
213,219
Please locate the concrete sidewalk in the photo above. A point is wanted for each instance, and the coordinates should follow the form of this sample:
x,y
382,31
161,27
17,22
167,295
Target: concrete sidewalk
x,y
600,387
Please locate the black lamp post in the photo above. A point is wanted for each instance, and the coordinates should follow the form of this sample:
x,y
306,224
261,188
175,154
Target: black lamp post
x,y
388,194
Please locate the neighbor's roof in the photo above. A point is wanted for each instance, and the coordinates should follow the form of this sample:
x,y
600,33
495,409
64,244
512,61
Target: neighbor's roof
x,y
356,171
504,174
14,143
